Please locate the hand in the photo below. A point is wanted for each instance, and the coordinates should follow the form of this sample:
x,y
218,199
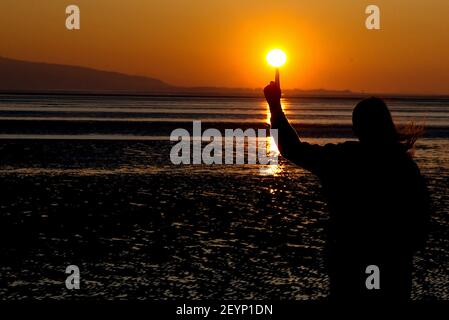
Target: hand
x,y
273,95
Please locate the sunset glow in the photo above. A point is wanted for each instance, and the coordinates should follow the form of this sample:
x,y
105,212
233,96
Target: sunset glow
x,y
224,43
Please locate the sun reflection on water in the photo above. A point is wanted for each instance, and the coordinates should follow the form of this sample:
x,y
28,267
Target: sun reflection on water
x,y
274,168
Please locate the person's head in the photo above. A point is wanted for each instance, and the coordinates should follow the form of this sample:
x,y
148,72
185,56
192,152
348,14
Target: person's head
x,y
372,123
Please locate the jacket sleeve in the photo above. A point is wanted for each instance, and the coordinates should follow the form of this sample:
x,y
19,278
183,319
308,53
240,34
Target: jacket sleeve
x,y
309,156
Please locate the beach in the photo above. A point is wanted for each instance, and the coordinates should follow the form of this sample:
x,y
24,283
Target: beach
x,y
88,181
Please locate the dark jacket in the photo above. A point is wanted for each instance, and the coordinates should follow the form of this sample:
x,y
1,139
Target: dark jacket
x,y
377,198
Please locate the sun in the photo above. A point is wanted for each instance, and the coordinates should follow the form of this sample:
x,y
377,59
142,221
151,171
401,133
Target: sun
x,y
276,58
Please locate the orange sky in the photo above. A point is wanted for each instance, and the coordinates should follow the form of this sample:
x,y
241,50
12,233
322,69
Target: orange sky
x,y
223,42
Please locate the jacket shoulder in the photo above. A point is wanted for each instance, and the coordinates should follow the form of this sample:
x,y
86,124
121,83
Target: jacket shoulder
x,y
347,146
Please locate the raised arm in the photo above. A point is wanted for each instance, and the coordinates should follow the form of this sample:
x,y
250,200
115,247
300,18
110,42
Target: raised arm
x,y
290,146
288,139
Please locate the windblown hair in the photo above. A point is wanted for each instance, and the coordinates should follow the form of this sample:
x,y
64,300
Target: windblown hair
x,y
372,123
409,134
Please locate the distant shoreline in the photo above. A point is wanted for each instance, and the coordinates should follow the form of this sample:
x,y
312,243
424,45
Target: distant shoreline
x,y
223,95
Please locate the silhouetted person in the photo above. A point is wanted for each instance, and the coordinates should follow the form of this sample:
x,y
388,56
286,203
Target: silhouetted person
x,y
377,198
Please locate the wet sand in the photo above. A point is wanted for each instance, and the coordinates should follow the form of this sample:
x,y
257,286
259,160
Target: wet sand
x,y
141,228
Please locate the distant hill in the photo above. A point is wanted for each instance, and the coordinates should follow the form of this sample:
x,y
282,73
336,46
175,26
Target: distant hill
x,y
16,75
35,77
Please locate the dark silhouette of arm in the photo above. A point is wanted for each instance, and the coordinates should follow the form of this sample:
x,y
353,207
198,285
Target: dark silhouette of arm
x,y
308,156
288,141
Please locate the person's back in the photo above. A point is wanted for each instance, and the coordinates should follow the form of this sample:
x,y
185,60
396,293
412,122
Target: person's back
x,y
377,199
377,202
